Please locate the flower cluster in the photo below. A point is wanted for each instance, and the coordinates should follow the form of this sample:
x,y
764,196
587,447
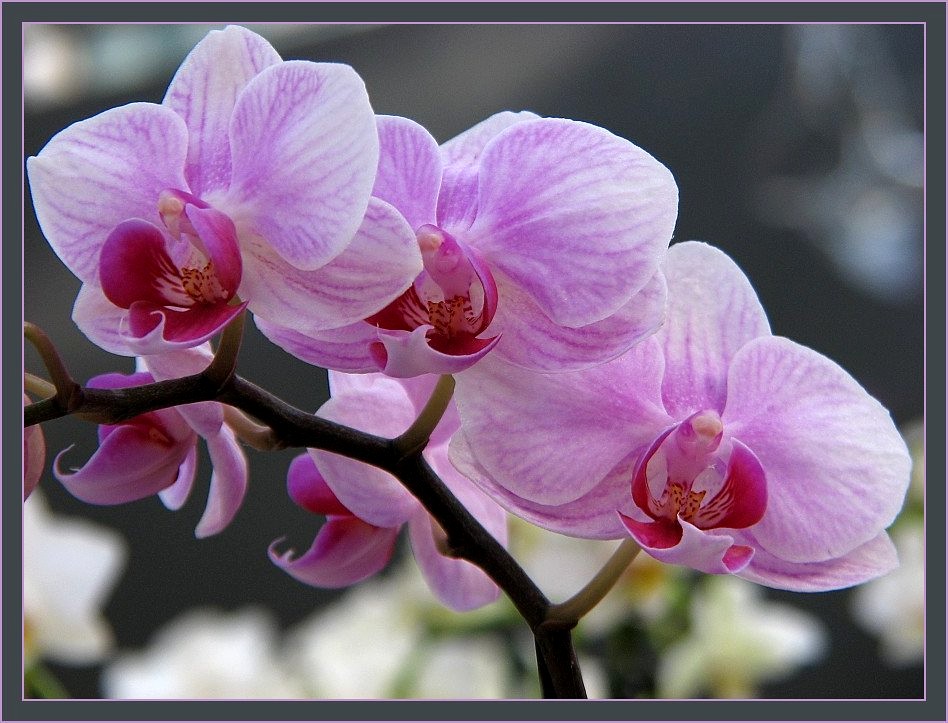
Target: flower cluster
x,y
607,386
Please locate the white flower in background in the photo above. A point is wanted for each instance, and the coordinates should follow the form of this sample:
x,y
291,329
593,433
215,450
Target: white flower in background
x,y
737,641
893,607
461,667
69,568
206,654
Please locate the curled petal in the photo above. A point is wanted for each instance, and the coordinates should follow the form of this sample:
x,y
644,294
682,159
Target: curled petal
x,y
346,550
130,464
309,490
157,329
203,92
712,312
99,172
409,174
577,217
830,450
228,483
710,552
136,267
409,353
304,152
177,494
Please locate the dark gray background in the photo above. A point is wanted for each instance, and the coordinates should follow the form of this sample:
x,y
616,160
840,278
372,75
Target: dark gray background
x,y
733,111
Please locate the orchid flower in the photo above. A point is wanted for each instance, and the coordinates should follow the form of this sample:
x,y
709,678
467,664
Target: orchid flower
x,y
541,240
250,180
714,444
156,452
366,507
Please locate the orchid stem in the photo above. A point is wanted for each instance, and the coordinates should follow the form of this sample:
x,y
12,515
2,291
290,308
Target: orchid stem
x,y
37,386
66,387
576,607
222,367
417,435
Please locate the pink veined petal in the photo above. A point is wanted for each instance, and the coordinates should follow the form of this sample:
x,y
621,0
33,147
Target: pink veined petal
x,y
712,312
346,550
710,552
99,172
551,438
457,583
304,152
457,202
216,231
404,354
377,266
532,340
309,490
34,455
592,516
204,91
870,560
409,174
345,349
128,465
156,329
837,467
177,494
104,323
577,217
228,483
370,493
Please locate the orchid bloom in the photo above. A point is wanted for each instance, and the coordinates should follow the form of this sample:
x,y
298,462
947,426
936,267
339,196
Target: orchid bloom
x,y
714,444
541,240
34,455
366,507
251,180
156,452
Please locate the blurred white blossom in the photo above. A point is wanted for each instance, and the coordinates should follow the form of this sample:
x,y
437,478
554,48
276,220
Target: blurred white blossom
x,y
893,606
737,641
206,653
70,567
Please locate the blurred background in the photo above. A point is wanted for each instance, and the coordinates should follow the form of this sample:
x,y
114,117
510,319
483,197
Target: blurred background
x,y
797,150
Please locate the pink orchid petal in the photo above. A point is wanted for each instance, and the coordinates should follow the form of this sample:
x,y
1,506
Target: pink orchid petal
x,y
565,431
576,216
404,354
34,455
205,418
712,312
99,172
128,465
457,583
136,267
409,174
741,499
533,341
157,329
216,231
457,202
177,494
592,516
304,151
831,451
705,551
378,265
345,349
870,560
104,323
346,550
228,483
309,490
370,493
204,91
